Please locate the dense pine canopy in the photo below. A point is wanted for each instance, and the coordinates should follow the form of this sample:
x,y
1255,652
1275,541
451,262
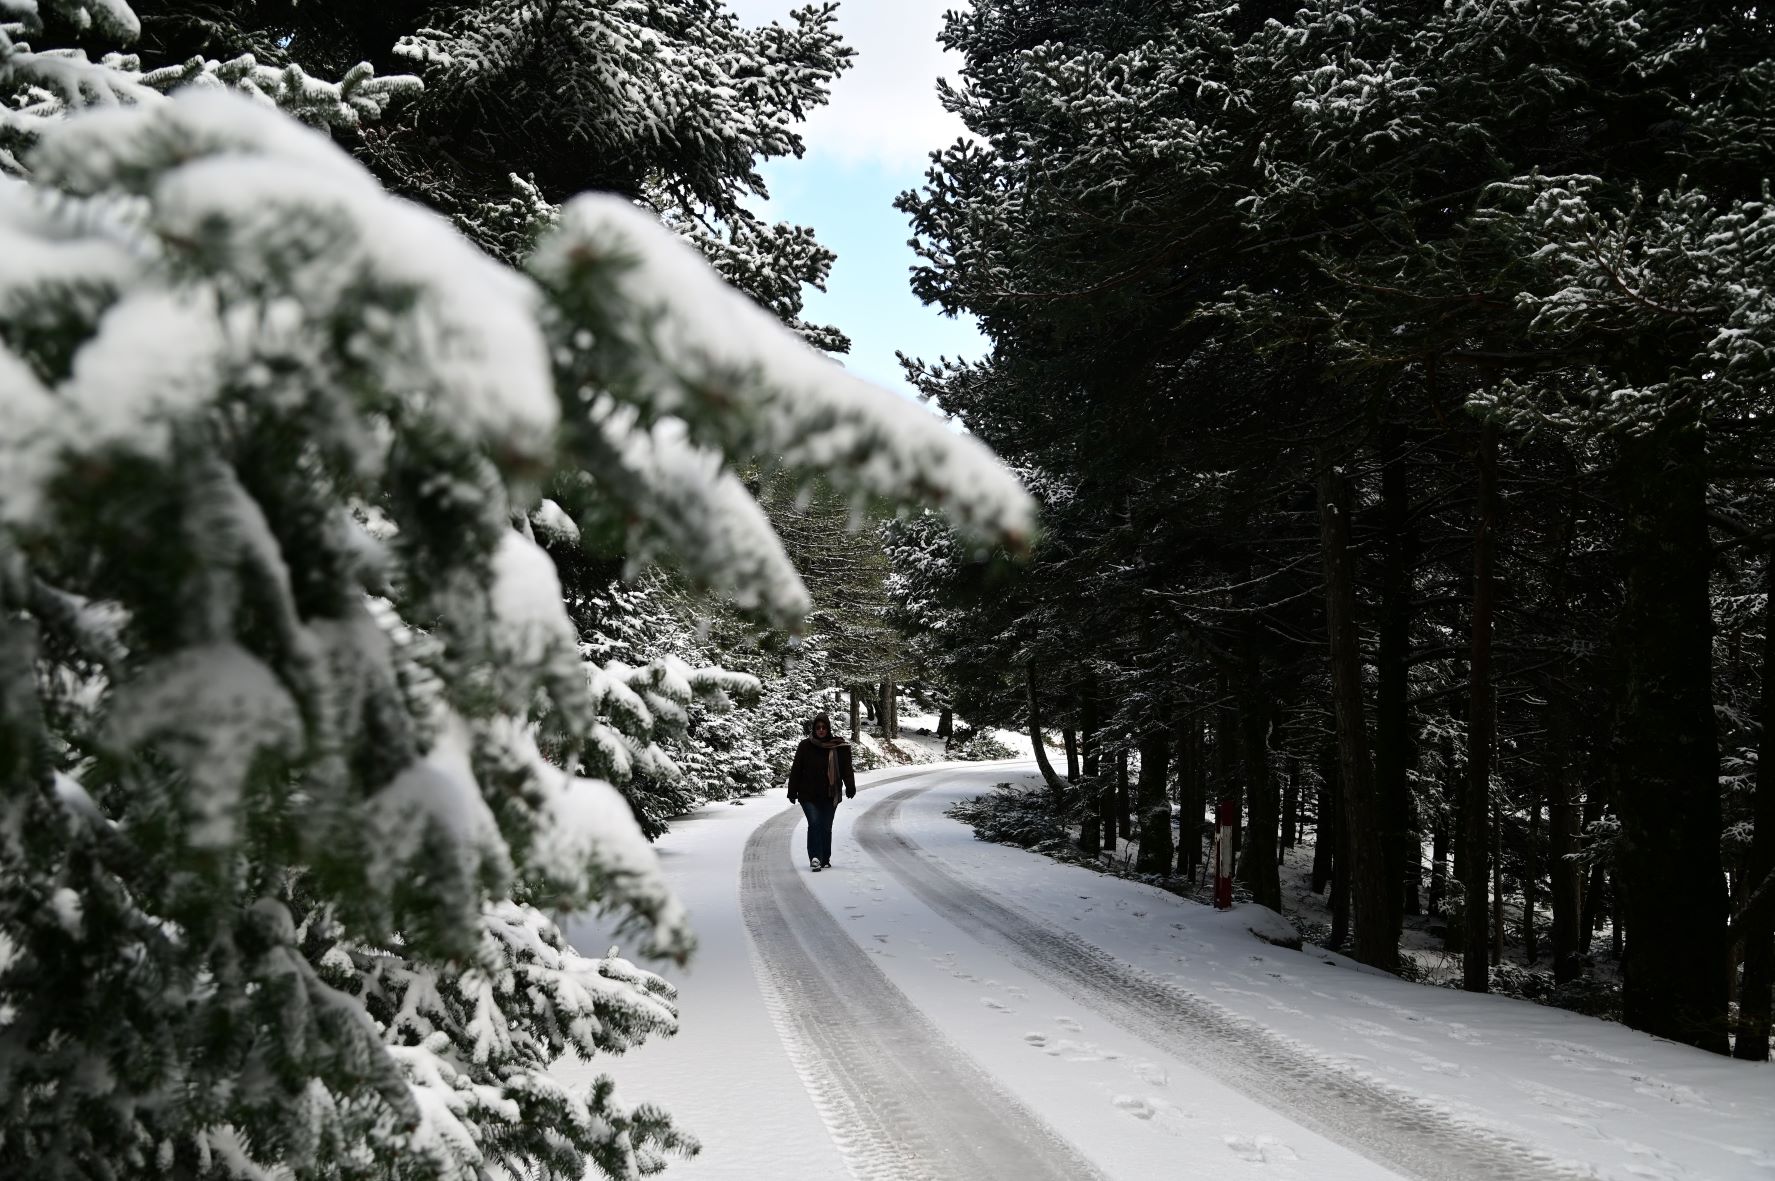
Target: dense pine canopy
x,y
1404,372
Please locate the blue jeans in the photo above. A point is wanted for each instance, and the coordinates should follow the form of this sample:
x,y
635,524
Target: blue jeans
x,y
819,826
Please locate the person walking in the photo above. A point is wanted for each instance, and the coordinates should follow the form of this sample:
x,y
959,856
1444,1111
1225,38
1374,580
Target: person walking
x,y
821,770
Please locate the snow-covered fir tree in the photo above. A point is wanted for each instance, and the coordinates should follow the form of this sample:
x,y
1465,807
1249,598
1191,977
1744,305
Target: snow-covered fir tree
x,y
299,746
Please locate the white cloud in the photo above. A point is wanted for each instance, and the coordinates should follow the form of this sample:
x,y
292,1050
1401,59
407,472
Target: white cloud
x,y
884,109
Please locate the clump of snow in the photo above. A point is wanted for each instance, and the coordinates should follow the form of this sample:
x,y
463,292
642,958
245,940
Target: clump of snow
x,y
436,804
553,522
212,710
250,193
689,505
746,385
529,612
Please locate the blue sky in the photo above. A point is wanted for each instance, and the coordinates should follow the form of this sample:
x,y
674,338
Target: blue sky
x,y
865,148
850,205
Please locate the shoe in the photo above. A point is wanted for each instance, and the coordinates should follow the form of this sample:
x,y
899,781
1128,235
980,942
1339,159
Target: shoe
x,y
827,864
815,864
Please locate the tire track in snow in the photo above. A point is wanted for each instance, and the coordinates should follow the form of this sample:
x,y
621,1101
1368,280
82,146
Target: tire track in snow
x,y
1385,1125
902,1102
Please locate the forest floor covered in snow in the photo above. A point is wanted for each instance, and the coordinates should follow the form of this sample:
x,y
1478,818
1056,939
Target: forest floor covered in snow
x,y
937,1006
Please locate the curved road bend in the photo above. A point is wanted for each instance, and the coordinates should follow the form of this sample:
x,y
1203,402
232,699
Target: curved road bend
x,y
1386,1126
903,1103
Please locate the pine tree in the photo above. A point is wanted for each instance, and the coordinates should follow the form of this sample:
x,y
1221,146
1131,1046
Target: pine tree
x,y
284,695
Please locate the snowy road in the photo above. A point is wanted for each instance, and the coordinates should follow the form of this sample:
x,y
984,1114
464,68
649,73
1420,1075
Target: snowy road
x,y
936,1007
895,1093
1388,1128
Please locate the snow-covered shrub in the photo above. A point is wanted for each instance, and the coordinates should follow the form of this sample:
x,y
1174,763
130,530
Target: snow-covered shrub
x,y
1014,815
285,699
981,746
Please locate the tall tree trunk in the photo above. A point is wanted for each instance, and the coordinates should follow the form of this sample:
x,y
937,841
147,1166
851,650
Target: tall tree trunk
x,y
1154,804
1291,805
1438,867
883,720
1668,799
1392,730
1055,784
1228,780
1591,908
1563,877
1481,722
1124,806
1189,806
1497,894
946,723
1754,1000
1257,865
1325,820
1091,823
1414,855
1342,856
1361,814
1531,949
1072,754
856,720
1617,924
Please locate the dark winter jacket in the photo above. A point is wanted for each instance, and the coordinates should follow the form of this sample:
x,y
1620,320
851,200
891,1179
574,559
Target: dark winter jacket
x,y
807,774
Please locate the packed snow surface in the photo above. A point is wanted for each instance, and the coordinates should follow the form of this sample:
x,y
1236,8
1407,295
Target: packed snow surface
x,y
990,956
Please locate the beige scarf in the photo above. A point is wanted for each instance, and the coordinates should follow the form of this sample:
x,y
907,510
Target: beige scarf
x,y
832,746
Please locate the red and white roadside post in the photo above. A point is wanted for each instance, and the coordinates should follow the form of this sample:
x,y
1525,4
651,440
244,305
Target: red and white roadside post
x,y
1226,814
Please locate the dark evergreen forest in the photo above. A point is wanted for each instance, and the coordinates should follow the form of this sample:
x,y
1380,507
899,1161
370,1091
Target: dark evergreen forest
x,y
1396,386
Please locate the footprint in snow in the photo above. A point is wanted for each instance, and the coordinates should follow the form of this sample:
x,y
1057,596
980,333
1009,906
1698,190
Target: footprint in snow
x,y
995,1003
1657,1088
1135,1106
1069,1023
1038,1040
1262,1150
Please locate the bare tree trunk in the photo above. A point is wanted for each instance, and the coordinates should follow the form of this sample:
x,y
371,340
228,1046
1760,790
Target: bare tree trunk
x,y
1673,978
1091,825
856,720
1325,820
1189,791
1072,753
1291,806
1497,896
1438,867
1392,733
1228,781
1361,815
1257,866
946,723
1340,873
1754,998
1124,809
1481,720
1055,784
1154,804
1563,873
1591,908
1531,948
